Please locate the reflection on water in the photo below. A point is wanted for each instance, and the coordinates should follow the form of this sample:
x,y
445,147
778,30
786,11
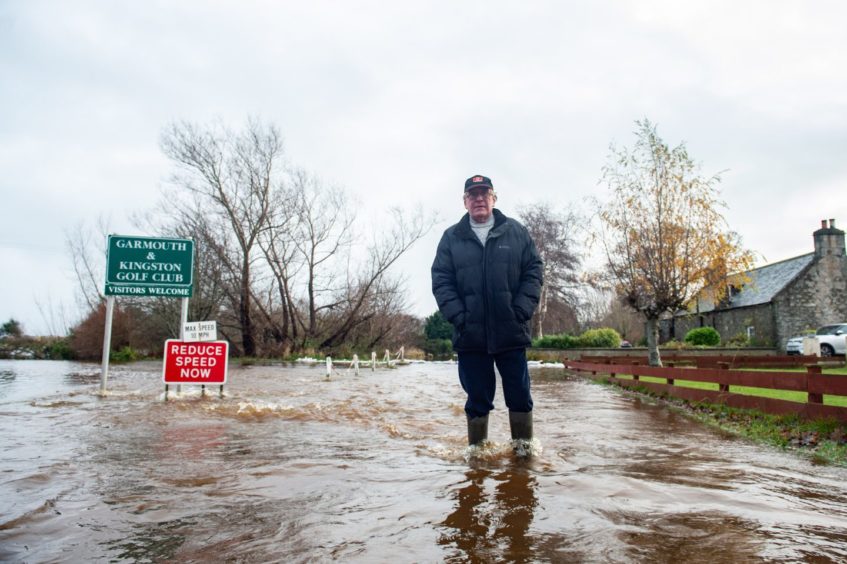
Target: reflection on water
x,y
289,466
488,526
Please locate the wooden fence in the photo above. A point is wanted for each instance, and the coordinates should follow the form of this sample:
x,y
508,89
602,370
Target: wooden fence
x,y
716,361
813,382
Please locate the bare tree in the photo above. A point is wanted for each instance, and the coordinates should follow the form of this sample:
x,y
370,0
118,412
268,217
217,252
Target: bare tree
x,y
54,316
233,175
554,234
323,232
372,285
215,279
625,320
87,248
594,304
662,232
281,251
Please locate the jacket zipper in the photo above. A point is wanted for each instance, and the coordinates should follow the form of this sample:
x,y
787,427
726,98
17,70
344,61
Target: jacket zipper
x,y
486,308
485,292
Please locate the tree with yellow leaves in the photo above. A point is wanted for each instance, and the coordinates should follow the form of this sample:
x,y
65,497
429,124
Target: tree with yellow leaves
x,y
664,237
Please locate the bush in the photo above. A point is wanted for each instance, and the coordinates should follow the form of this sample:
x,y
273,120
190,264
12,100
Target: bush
x,y
125,354
60,349
604,338
703,337
738,340
414,353
439,348
593,338
562,341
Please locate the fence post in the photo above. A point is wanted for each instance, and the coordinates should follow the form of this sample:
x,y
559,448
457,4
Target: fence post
x,y
723,387
373,361
669,380
328,366
356,363
811,373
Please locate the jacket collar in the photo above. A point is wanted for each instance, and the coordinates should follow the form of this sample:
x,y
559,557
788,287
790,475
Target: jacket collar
x,y
464,226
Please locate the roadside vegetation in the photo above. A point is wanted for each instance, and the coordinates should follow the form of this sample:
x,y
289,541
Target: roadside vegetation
x,y
603,337
825,441
662,234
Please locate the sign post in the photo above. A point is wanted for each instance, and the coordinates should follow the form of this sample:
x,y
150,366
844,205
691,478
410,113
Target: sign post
x,y
107,343
145,266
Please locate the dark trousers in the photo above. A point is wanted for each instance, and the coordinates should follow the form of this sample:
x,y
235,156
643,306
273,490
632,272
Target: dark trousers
x,y
476,373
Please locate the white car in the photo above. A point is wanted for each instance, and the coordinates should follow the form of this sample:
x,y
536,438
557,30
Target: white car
x,y
832,339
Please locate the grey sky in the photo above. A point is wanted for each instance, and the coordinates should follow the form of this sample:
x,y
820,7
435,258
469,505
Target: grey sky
x,y
400,102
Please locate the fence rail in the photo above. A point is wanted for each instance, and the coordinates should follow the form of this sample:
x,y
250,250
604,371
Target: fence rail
x,y
813,382
734,361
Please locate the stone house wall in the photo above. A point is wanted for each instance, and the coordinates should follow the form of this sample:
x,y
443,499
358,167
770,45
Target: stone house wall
x,y
728,323
817,297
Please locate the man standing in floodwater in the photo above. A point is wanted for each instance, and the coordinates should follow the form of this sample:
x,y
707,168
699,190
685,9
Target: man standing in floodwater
x,y
486,278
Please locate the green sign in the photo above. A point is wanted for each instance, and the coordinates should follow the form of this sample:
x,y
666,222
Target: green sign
x,y
146,266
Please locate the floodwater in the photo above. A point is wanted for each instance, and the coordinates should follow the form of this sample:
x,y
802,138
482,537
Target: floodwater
x,y
290,466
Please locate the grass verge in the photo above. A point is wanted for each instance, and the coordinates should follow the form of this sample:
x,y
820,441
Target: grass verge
x,y
824,441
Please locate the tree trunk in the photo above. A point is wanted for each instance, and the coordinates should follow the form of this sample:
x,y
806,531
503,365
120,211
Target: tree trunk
x,y
540,313
313,307
248,343
653,341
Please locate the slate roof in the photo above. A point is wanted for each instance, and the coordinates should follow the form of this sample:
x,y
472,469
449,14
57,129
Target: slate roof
x,y
763,285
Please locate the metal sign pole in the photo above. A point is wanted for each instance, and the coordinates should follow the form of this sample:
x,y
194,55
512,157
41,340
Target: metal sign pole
x,y
183,319
107,343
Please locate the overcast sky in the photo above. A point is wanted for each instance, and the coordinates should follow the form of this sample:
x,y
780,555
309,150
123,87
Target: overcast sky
x,y
399,102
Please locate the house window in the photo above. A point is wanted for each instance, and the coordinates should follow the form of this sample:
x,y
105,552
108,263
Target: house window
x,y
751,332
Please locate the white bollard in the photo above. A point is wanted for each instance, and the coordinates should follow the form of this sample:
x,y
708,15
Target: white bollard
x,y
328,366
373,361
356,364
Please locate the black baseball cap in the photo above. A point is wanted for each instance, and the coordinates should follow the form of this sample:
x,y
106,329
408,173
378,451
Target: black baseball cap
x,y
478,181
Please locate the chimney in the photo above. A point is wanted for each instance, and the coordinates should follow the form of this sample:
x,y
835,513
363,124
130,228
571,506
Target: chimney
x,y
829,241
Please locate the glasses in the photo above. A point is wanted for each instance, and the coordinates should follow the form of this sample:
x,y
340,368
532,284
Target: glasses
x,y
478,194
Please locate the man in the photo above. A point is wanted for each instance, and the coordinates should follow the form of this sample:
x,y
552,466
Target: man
x,y
486,278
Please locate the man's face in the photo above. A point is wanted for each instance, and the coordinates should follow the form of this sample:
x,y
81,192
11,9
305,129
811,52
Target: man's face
x,y
480,203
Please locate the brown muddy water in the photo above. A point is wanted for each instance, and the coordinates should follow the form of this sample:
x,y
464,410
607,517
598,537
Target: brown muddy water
x,y
292,467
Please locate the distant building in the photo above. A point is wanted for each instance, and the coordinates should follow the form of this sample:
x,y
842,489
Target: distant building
x,y
779,300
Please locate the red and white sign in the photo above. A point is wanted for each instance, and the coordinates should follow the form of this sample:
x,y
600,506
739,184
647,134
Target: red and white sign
x,y
195,362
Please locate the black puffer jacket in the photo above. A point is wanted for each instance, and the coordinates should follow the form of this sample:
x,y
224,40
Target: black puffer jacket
x,y
488,294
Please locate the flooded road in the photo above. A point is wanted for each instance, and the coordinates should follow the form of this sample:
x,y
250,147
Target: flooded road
x,y
292,467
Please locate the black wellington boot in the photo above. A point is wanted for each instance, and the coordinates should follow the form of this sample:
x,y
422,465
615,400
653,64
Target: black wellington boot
x,y
521,425
477,429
